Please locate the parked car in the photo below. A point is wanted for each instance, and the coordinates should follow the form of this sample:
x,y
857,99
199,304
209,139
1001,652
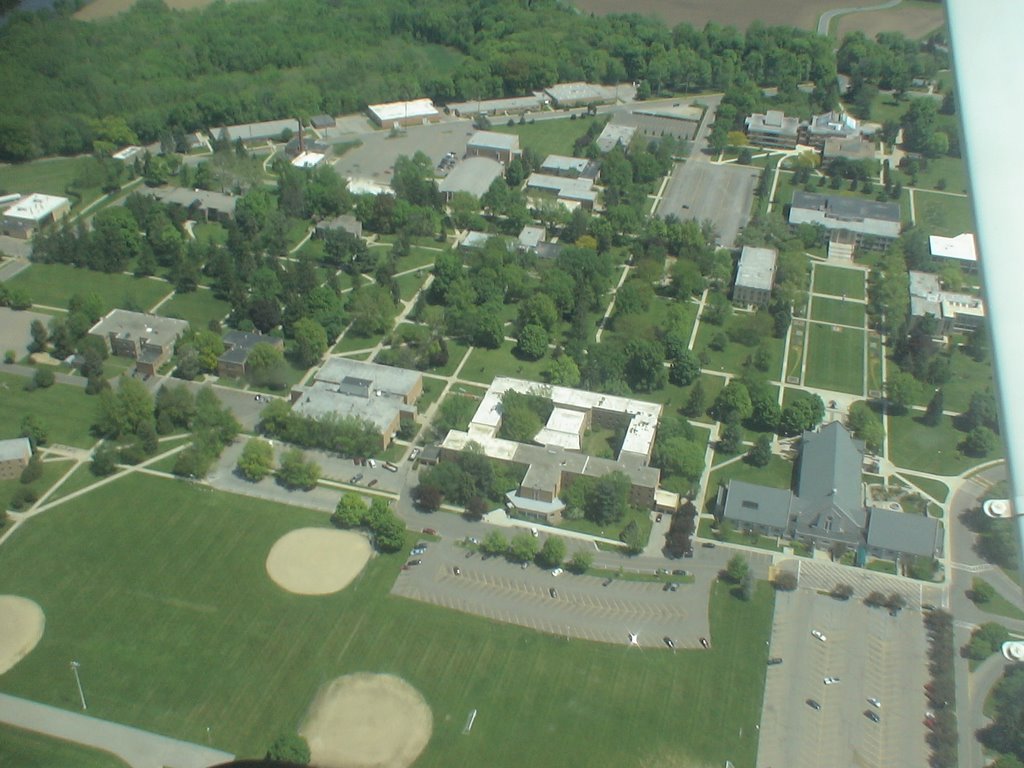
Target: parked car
x,y
390,467
430,532
553,592
680,572
831,680
372,483
873,716
813,704
414,454
415,562
534,532
372,463
708,545
658,517
457,571
817,633
557,572
356,477
417,551
670,642
875,702
774,660
704,642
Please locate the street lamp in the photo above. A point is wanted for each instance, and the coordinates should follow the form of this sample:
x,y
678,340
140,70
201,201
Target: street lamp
x,y
81,694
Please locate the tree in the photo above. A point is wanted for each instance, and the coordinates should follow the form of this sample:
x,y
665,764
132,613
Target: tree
x,y
266,366
581,561
733,403
933,413
747,585
104,460
606,498
43,378
296,472
761,453
866,426
842,592
552,554
33,430
694,406
494,544
981,591
532,343
980,441
40,336
786,581
122,412
803,413
731,439
737,568
901,389
684,369
523,548
310,341
256,461
32,471
563,371
428,497
350,512
289,748
633,538
388,530
645,370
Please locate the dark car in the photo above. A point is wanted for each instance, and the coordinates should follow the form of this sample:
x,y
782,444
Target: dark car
x,y
774,660
356,478
680,572
708,545
372,483
874,717
658,518
669,642
414,562
430,532
704,642
688,553
606,582
553,592
457,570
813,704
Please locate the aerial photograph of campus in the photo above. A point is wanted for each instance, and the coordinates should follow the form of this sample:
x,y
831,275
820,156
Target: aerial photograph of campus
x,y
500,383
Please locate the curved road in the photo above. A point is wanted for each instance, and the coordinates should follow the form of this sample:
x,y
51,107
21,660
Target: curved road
x,y
826,18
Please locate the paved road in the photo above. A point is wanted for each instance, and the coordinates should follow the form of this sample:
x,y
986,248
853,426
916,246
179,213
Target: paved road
x,y
139,749
825,20
874,655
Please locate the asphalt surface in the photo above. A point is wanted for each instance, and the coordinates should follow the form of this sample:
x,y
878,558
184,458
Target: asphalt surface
x,y
15,329
874,655
720,193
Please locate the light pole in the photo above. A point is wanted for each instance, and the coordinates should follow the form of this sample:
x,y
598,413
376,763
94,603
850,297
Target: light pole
x,y
81,694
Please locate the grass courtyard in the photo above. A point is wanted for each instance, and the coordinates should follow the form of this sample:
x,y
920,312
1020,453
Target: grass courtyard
x,y
55,284
943,214
65,412
838,311
548,137
178,628
936,449
835,359
838,281
198,307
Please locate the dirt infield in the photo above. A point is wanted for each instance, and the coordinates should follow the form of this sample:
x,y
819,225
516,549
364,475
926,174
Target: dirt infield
x,y
915,21
364,720
21,627
317,561
738,13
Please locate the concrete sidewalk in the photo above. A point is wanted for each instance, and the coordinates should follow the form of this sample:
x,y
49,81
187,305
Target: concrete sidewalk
x,y
139,749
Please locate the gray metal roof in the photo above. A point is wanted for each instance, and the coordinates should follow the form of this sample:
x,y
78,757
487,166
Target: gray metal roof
x,y
154,329
184,197
850,213
773,122
473,175
270,129
757,267
830,468
758,504
397,381
15,448
506,142
904,532
245,340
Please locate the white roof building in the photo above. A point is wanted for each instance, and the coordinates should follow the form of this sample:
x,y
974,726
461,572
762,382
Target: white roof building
x,y
613,135
308,160
416,109
36,207
961,248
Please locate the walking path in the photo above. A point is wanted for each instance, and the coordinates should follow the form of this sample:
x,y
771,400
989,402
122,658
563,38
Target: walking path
x,y
138,748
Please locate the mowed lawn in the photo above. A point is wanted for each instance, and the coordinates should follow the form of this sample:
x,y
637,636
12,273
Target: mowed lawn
x,y
159,589
835,359
26,749
65,412
198,307
547,137
837,281
55,284
943,214
838,311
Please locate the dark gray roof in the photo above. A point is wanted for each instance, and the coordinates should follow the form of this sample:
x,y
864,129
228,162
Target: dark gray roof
x,y
841,207
830,468
904,532
758,505
237,355
322,121
246,340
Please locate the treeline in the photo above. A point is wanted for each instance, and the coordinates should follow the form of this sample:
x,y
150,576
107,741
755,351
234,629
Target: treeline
x,y
941,690
150,72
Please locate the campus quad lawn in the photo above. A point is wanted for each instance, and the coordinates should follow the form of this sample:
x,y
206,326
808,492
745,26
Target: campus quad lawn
x,y
65,412
835,359
55,284
177,627
966,378
838,311
837,281
52,472
485,364
943,214
547,137
732,358
198,307
778,473
914,445
27,749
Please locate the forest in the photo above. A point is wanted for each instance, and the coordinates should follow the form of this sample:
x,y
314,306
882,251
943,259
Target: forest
x,y
152,71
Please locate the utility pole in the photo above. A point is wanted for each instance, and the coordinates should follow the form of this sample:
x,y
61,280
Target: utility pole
x,y
81,694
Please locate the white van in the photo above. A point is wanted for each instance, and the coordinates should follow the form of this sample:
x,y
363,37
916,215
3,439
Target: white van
x,y
372,463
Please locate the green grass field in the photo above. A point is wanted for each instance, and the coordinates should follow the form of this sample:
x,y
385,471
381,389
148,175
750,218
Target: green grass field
x,y
943,214
484,364
65,412
1000,606
51,176
966,378
835,359
55,284
837,281
733,357
177,628
931,449
777,474
934,488
52,472
409,284
547,137
27,749
198,307
837,311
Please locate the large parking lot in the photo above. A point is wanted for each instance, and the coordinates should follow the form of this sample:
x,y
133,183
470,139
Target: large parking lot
x,y
582,607
874,655
701,191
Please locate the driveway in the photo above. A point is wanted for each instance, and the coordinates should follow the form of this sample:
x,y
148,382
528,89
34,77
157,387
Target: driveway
x,y
874,655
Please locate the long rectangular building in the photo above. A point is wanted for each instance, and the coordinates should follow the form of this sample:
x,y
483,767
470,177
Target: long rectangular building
x,y
850,222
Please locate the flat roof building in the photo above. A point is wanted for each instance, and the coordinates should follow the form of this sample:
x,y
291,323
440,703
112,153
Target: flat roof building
x,y
272,130
830,125
565,189
379,394
578,94
397,113
322,121
657,125
33,212
954,311
851,222
497,146
613,136
233,364
516,105
473,175
960,250
773,129
14,457
199,203
148,339
755,276
569,167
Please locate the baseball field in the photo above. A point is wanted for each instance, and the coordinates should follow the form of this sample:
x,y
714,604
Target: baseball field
x,y
160,589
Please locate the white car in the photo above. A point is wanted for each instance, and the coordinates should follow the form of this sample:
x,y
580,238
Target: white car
x,y
817,633
831,680
875,703
372,463
557,572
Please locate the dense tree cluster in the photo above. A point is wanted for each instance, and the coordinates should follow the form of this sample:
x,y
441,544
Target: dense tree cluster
x,y
1004,734
941,690
72,85
386,529
470,480
348,437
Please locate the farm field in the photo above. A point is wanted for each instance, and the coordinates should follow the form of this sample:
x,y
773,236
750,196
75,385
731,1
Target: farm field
x,y
913,18
835,359
179,626
737,13
54,284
